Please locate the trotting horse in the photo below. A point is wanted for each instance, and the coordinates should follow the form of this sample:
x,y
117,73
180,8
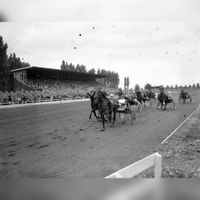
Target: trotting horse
x,y
163,100
106,107
94,103
133,101
184,96
141,98
150,96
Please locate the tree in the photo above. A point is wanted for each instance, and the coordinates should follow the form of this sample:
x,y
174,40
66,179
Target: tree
x,y
15,62
137,87
198,86
103,72
62,65
81,68
128,82
125,82
193,86
91,71
4,68
147,86
98,71
110,77
71,67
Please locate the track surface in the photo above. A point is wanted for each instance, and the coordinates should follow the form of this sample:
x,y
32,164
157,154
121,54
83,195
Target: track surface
x,y
60,141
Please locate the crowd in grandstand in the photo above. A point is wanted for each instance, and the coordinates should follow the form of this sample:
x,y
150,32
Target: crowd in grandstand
x,y
51,90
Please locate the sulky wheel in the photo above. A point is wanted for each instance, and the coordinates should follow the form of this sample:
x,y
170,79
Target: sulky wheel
x,y
133,117
158,104
174,105
121,115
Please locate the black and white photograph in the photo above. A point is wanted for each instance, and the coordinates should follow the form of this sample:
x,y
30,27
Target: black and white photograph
x,y
100,90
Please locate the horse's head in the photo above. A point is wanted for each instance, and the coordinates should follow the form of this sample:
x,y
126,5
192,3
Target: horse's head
x,y
93,97
92,92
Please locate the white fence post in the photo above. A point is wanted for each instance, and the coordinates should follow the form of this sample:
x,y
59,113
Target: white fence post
x,y
158,165
154,160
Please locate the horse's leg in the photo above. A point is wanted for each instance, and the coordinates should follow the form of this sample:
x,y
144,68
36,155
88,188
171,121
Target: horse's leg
x,y
139,110
143,104
114,116
174,105
165,105
90,114
103,121
158,104
110,116
94,111
162,105
132,115
150,102
140,106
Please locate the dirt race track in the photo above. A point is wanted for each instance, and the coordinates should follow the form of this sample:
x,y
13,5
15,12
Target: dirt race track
x,y
60,141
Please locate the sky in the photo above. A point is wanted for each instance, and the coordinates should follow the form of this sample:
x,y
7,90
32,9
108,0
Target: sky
x,y
156,42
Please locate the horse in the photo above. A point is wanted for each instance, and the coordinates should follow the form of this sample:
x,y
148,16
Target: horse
x,y
94,103
151,96
133,101
141,98
184,95
106,107
164,99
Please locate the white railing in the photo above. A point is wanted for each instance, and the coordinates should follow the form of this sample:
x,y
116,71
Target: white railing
x,y
154,160
151,189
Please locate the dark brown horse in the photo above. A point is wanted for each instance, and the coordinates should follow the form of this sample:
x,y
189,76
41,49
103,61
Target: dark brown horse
x,y
94,103
184,96
106,107
164,99
150,96
132,100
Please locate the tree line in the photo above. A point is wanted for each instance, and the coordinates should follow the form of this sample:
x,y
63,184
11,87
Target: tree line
x,y
190,86
8,63
148,86
111,77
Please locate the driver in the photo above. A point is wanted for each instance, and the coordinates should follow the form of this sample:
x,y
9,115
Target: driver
x,y
120,93
182,91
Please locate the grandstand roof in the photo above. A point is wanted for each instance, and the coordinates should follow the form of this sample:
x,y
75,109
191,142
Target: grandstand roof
x,y
35,71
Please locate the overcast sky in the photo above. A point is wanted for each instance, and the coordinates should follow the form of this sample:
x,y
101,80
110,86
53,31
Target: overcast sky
x,y
149,41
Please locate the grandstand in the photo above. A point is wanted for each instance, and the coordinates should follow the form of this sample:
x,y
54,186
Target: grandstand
x,y
36,84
